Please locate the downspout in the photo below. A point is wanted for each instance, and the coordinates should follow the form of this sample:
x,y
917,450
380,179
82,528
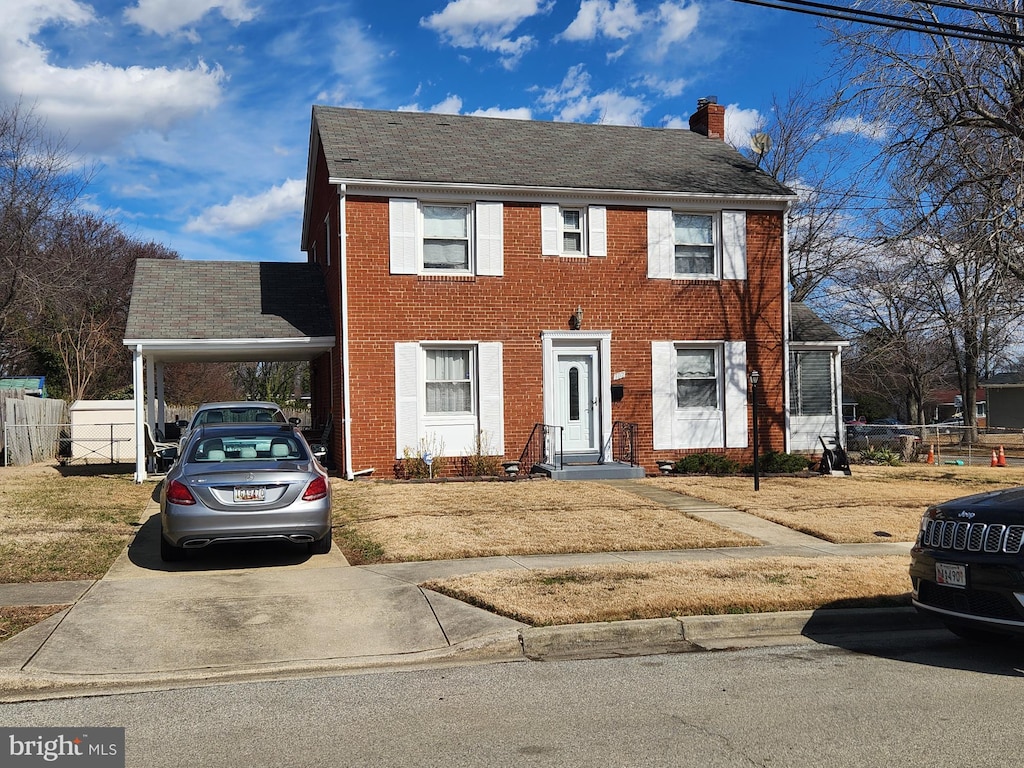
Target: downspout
x,y
140,432
342,278
786,373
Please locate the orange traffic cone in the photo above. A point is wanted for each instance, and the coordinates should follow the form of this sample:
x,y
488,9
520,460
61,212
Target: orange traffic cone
x,y
995,460
931,454
1002,457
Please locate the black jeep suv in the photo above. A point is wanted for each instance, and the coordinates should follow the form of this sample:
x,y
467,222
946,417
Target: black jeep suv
x,y
966,566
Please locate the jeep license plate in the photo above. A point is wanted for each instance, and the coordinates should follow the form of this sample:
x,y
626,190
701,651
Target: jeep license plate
x,y
951,575
249,493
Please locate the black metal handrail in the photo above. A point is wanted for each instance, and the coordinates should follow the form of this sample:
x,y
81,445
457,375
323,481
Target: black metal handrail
x,y
624,442
543,447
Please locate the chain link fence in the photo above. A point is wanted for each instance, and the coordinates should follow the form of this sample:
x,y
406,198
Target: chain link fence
x,y
948,443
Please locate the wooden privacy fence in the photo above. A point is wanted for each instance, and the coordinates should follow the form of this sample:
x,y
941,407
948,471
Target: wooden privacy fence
x,y
32,428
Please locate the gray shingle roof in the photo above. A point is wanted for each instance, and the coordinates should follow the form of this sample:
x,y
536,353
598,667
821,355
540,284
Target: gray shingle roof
x,y
432,148
807,326
227,300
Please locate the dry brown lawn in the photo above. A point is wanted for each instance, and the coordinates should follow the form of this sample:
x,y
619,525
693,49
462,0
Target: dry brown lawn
x,y
658,590
444,521
863,507
65,524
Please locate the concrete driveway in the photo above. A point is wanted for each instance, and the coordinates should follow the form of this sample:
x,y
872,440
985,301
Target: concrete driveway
x,y
233,609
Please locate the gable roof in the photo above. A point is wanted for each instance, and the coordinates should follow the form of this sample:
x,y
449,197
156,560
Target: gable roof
x,y
805,325
458,149
240,310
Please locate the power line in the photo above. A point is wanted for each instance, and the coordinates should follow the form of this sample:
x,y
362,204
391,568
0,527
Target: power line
x,y
840,13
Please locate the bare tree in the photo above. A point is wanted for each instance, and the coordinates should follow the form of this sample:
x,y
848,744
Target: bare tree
x,y
809,154
40,183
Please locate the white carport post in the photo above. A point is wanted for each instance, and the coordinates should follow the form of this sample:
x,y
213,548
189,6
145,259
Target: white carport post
x,y
140,431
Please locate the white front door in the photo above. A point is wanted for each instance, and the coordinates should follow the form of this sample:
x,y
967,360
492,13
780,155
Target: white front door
x,y
576,401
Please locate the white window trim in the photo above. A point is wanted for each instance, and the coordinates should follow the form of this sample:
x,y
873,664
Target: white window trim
x,y
699,428
716,247
719,368
485,229
730,232
455,417
470,268
593,230
413,424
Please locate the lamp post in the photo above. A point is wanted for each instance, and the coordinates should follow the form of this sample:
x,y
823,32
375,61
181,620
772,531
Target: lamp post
x,y
754,378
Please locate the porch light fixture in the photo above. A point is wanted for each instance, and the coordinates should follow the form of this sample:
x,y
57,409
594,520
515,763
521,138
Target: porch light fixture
x,y
576,319
754,378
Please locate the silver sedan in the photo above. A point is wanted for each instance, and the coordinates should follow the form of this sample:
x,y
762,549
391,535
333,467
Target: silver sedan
x,y
244,482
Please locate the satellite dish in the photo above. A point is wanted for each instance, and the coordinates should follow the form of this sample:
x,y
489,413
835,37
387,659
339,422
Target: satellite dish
x,y
761,143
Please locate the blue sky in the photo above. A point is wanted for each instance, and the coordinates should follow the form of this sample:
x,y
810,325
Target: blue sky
x,y
196,112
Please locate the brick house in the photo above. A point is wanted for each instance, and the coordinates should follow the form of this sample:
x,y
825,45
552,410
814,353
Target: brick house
x,y
487,276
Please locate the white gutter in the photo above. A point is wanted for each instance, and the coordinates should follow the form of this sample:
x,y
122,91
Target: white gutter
x,y
342,278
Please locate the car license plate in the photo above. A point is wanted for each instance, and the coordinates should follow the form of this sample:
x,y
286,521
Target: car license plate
x,y
250,493
951,575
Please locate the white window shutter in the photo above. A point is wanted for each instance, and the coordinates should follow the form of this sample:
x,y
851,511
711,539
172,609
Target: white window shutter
x,y
490,239
597,223
735,394
661,252
403,214
407,390
663,393
492,398
734,245
549,229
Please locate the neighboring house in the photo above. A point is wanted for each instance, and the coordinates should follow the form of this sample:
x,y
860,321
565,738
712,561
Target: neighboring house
x,y
815,381
1004,401
617,284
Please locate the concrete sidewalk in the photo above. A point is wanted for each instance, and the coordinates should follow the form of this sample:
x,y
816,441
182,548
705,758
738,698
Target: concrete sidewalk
x,y
147,623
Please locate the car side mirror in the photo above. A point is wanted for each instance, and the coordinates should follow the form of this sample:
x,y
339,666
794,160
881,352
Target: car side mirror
x,y
295,420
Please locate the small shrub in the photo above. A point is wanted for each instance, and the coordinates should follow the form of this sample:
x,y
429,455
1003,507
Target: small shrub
x,y
777,463
883,456
415,467
481,461
706,464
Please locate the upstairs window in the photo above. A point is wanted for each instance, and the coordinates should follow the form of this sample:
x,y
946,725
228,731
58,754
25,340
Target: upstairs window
x,y
572,232
446,231
694,240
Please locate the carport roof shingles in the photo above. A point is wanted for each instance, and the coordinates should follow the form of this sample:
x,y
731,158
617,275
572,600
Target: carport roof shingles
x,y
227,300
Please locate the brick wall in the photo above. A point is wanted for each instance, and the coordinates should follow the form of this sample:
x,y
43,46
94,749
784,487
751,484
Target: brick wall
x,y
540,293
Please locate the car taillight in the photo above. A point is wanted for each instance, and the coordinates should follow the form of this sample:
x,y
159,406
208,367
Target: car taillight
x,y
315,490
179,494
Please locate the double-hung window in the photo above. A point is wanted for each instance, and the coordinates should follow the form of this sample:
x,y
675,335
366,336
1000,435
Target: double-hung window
x,y
449,381
697,384
694,240
446,230
573,229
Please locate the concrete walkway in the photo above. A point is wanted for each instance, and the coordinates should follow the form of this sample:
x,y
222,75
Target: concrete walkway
x,y
149,623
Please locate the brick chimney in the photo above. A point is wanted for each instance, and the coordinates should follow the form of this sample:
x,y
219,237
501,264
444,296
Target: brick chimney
x,y
709,119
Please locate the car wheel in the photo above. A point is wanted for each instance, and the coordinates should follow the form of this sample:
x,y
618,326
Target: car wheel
x,y
170,553
975,634
320,546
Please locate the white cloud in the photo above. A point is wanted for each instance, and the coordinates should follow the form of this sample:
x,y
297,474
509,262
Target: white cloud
x,y
165,17
574,101
858,126
604,18
669,89
664,27
676,22
740,125
96,105
488,25
518,113
244,213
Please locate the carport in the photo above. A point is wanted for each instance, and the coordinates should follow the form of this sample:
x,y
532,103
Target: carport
x,y
218,311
